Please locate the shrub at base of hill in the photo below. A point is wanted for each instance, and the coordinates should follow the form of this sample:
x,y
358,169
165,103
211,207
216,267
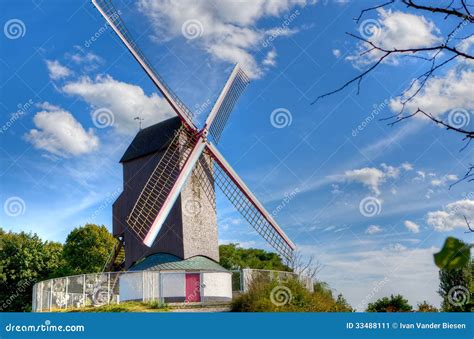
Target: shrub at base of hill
x,y
266,295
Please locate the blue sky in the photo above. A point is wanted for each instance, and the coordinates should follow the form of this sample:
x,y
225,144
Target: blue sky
x,y
70,91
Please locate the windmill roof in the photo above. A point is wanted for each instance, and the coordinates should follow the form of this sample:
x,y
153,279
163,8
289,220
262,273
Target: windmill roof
x,y
165,261
152,139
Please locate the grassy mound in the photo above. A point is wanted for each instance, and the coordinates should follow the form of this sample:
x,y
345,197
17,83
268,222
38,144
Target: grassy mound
x,y
266,295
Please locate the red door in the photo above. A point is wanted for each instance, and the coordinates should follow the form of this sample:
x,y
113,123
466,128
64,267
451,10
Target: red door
x,y
193,287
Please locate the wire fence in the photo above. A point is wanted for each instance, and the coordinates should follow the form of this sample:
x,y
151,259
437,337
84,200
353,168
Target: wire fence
x,y
99,289
244,278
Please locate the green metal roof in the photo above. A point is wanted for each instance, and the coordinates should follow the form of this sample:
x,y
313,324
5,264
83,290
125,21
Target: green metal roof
x,y
164,261
152,139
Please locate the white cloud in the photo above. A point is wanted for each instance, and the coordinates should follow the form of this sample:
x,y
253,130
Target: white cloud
x,y
390,171
440,95
228,30
372,177
270,58
373,229
88,57
126,101
56,70
393,30
444,180
336,52
420,176
59,133
369,176
452,216
411,226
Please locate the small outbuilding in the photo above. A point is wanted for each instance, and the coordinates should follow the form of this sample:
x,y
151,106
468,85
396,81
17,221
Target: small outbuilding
x,y
167,278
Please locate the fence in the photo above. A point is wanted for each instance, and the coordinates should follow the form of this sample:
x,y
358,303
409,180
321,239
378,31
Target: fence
x,y
99,289
114,287
242,279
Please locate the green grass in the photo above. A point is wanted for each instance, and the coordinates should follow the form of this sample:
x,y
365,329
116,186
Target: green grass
x,y
130,306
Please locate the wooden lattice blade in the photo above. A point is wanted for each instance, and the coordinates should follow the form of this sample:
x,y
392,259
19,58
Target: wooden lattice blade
x,y
112,16
220,113
248,205
164,185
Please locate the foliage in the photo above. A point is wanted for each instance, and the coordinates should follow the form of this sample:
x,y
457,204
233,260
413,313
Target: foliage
x,y
426,307
265,295
393,304
454,254
24,260
234,257
457,285
88,248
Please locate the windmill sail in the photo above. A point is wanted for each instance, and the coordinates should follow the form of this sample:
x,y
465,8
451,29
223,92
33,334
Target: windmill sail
x,y
224,105
156,193
191,152
112,16
248,205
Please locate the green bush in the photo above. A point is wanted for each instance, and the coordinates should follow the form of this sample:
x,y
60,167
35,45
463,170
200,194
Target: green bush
x,y
265,295
395,303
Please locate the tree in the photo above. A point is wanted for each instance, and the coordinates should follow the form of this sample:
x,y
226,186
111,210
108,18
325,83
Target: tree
x,y
426,307
442,53
233,257
309,267
457,288
393,304
88,249
24,260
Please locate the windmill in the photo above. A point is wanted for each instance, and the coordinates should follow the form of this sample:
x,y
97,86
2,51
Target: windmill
x,y
191,152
